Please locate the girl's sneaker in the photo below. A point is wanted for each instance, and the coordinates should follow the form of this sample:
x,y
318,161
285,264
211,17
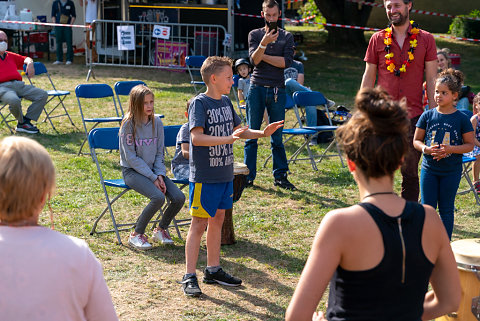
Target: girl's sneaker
x,y
139,241
161,235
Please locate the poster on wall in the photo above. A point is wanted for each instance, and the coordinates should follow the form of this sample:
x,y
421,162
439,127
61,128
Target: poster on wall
x,y
172,54
125,38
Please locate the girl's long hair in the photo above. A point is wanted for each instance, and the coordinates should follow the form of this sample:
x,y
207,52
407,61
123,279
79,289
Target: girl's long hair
x,y
135,108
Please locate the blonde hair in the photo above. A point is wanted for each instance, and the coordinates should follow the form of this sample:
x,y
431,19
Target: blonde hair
x,y
213,65
27,174
135,107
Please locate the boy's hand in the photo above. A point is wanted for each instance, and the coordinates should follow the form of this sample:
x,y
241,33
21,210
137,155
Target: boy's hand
x,y
236,134
270,129
318,316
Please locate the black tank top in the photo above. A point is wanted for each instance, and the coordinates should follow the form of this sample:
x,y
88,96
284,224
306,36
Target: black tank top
x,y
394,289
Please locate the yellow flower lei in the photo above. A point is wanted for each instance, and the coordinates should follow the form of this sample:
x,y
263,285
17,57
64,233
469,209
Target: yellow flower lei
x,y
389,56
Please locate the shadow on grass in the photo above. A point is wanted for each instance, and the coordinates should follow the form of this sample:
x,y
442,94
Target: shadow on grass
x,y
68,143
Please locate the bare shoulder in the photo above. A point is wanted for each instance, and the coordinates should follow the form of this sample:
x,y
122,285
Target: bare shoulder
x,y
344,217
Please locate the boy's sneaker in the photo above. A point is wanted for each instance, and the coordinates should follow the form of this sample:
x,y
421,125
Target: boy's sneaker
x,y
477,187
221,277
58,62
283,182
162,236
27,128
190,286
139,241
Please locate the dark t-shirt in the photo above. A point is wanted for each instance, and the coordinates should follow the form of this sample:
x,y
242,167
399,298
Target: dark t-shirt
x,y
212,164
68,9
265,74
444,129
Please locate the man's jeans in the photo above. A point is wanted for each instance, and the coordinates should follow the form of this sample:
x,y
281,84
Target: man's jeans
x,y
291,86
259,98
64,34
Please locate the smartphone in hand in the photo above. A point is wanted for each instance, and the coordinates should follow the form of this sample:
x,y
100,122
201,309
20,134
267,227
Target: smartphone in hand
x,y
272,26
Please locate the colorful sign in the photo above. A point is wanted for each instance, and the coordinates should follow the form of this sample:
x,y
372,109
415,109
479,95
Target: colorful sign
x,y
168,53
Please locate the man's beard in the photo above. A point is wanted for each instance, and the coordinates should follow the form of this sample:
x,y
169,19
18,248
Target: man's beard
x,y
401,21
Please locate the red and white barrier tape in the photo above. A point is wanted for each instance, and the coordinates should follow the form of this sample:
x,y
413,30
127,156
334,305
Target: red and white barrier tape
x,y
44,24
336,25
430,13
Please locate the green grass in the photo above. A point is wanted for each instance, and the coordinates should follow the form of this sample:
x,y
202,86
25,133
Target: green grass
x,y
274,228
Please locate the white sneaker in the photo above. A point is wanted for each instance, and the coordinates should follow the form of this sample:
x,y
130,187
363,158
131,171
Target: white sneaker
x,y
162,236
68,62
58,62
139,241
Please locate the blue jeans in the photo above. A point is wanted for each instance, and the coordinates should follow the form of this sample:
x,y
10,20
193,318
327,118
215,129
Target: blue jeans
x,y
440,190
291,86
64,34
259,98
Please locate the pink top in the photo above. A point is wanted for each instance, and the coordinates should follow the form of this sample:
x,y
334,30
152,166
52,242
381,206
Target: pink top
x,y
48,276
409,84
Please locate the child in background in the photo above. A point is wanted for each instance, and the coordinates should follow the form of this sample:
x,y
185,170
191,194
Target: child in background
x,y
476,149
443,134
141,142
242,68
214,127
180,166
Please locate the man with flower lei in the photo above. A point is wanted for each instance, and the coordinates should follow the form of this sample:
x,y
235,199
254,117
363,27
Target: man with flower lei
x,y
400,55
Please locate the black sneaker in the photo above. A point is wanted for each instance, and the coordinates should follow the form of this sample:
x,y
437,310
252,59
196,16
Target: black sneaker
x,y
283,182
27,128
190,286
221,277
249,184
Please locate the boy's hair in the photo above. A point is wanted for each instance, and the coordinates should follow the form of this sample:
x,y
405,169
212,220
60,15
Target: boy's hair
x,y
445,52
27,175
213,65
135,107
376,137
270,4
452,78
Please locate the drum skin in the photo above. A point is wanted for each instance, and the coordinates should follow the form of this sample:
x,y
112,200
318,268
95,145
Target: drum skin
x,y
467,255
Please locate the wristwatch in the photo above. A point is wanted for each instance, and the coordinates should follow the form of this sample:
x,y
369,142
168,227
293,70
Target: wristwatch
x,y
262,47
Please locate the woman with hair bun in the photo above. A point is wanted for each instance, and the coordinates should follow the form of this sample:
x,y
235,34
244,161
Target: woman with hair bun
x,y
380,254
443,134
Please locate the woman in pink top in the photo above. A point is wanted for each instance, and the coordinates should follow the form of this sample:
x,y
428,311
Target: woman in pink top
x,y
45,275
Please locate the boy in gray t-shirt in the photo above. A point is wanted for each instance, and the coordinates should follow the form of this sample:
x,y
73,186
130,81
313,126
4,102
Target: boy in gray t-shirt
x,y
214,126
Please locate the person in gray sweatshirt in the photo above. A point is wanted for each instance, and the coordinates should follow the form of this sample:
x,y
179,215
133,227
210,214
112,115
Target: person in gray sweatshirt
x,y
141,143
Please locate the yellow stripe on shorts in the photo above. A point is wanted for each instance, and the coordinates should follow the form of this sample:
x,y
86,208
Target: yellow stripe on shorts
x,y
197,209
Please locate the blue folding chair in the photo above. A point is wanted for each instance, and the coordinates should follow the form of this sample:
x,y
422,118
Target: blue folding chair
x,y
193,64
61,95
123,88
467,162
96,91
315,98
107,139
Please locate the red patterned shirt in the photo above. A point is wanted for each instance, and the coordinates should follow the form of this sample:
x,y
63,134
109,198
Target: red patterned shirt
x,y
409,83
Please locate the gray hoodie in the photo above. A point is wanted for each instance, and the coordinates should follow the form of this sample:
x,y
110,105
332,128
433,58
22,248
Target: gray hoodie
x,y
145,154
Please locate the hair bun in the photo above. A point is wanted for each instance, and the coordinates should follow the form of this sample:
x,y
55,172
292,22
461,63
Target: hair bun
x,y
386,116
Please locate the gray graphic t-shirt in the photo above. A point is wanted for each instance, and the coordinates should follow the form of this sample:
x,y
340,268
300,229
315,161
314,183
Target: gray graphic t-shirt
x,y
212,164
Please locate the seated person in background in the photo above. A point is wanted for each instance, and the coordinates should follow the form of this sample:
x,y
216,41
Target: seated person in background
x,y
360,249
243,69
180,166
294,79
48,276
13,89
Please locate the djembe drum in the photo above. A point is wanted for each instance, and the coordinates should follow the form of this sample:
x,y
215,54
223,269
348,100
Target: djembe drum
x,y
240,172
467,255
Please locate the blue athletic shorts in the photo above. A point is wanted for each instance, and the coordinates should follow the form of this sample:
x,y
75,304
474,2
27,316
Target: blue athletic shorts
x,y
206,198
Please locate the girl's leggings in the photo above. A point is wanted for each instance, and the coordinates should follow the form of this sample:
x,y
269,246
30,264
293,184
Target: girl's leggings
x,y
145,186
440,190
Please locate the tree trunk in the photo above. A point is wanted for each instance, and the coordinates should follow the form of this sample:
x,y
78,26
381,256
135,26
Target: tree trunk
x,y
346,13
